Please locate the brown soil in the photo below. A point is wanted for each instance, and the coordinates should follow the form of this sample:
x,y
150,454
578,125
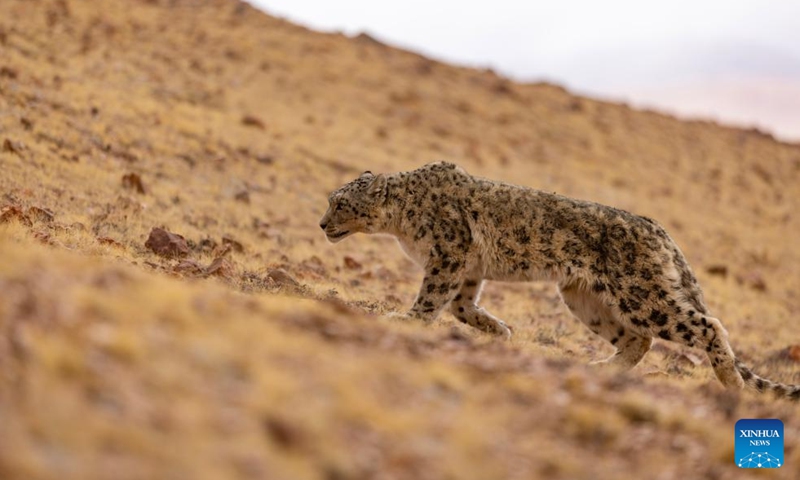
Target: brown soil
x,y
237,343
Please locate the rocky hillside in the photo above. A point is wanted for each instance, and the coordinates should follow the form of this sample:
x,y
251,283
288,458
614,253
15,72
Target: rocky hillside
x,y
235,342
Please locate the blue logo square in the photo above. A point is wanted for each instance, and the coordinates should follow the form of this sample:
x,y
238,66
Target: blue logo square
x,y
759,443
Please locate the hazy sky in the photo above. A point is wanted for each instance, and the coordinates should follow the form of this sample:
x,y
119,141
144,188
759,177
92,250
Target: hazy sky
x,y
737,60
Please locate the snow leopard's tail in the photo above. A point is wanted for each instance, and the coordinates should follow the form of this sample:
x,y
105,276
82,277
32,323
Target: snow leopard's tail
x,y
761,384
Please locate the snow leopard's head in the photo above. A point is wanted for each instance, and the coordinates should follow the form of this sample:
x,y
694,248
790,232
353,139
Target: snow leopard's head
x,y
355,207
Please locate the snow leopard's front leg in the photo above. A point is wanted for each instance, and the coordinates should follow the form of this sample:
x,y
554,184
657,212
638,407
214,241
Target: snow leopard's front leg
x,y
439,287
444,276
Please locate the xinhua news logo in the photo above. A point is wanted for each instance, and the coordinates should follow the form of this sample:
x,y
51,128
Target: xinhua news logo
x,y
759,443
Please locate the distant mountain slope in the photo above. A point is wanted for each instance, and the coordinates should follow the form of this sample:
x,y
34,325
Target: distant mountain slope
x,y
229,127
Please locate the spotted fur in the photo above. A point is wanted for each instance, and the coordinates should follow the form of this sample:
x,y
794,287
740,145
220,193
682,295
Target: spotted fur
x,y
619,273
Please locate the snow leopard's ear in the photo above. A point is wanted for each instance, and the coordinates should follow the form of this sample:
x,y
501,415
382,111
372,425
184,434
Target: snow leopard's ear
x,y
377,188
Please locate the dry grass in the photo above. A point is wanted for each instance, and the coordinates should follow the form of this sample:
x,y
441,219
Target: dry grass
x,y
118,363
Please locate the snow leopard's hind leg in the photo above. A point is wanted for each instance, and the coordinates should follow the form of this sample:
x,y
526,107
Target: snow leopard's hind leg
x,y
464,307
592,311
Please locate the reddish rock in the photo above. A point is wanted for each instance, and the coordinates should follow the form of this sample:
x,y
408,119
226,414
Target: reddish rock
x,y
242,196
253,121
8,72
220,267
133,181
222,250
14,213
794,353
109,241
351,263
206,245
43,237
166,244
280,276
41,214
313,266
266,159
189,267
721,270
233,243
283,433
12,146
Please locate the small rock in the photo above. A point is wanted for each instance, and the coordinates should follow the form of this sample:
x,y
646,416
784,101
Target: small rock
x,y
282,277
243,196
794,353
753,279
109,241
222,250
233,243
763,173
8,73
166,244
43,237
189,267
314,266
12,146
41,214
133,181
575,105
258,224
367,38
14,213
393,300
351,263
721,270
282,433
368,275
253,121
220,267
424,67
502,87
265,159
206,245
